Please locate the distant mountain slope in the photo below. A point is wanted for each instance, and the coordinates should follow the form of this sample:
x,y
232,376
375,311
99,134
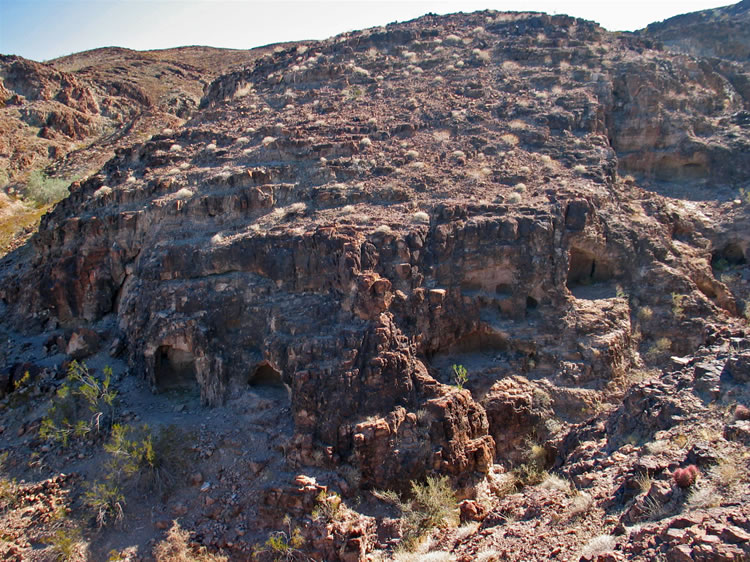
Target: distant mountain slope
x,y
720,32
74,111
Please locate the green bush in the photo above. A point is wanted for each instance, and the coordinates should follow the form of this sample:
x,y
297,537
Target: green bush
x,y
68,417
432,504
460,376
65,543
44,190
153,463
106,501
283,545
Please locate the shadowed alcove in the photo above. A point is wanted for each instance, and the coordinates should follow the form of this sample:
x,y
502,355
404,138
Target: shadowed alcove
x,y
265,375
174,369
584,269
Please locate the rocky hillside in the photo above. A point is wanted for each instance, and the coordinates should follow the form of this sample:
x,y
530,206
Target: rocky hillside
x,y
717,33
97,97
507,250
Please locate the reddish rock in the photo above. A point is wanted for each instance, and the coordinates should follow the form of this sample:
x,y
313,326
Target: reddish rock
x,y
82,343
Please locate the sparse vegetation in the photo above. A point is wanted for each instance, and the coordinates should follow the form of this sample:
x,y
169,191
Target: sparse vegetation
x,y
183,194
420,217
81,391
532,471
703,496
176,548
66,544
460,376
106,502
645,313
432,504
644,481
327,506
285,544
154,462
8,486
580,505
659,348
678,304
599,545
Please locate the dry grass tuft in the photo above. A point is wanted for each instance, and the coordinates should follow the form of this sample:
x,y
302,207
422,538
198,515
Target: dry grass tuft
x,y
175,548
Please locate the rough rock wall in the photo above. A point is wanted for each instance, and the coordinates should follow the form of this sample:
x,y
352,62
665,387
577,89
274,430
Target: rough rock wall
x,y
327,219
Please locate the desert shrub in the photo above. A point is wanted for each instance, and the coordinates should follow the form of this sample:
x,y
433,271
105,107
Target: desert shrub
x,y
554,482
432,504
44,190
728,472
103,191
176,548
678,304
645,313
510,139
532,470
284,544
580,505
460,376
152,463
327,506
8,487
644,481
703,496
65,544
661,347
106,502
599,545
83,404
420,217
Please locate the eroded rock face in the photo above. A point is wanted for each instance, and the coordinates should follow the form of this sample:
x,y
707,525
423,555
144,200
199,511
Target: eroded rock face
x,y
346,220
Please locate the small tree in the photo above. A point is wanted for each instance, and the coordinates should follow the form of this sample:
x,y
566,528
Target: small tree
x,y
460,376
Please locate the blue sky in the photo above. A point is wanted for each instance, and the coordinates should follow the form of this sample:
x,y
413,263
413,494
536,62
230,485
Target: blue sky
x,y
45,29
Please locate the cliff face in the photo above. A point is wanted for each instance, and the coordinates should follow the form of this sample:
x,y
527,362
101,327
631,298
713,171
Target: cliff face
x,y
354,217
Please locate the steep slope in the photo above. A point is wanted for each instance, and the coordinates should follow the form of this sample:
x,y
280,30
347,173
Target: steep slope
x,y
716,33
351,219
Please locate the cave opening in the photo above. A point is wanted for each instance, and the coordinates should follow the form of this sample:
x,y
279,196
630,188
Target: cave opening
x,y
482,341
729,255
584,269
174,369
265,375
267,382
